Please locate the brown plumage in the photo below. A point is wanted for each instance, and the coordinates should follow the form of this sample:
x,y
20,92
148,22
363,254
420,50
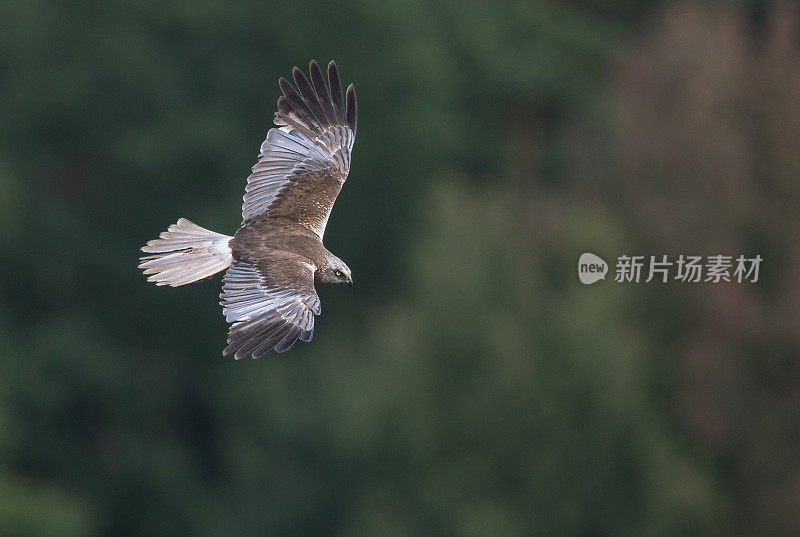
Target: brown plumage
x,y
277,253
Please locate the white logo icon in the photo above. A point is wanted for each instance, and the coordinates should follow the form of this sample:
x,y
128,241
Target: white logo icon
x,y
591,268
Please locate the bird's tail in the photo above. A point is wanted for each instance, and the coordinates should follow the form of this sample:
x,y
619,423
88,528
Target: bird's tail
x,y
185,253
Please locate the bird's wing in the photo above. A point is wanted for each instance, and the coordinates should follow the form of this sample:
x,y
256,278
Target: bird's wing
x,y
304,163
271,305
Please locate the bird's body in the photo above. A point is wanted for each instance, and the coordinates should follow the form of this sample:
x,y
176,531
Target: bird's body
x,y
273,241
277,254
267,237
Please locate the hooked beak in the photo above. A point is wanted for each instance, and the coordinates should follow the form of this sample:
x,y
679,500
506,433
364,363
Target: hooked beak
x,y
350,281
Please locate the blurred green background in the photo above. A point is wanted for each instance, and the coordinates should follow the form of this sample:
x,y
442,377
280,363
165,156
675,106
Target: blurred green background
x,y
468,385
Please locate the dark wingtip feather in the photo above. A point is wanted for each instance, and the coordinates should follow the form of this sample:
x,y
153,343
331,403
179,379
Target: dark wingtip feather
x,y
311,106
310,97
321,89
302,84
333,69
288,340
268,344
352,108
287,89
318,80
336,90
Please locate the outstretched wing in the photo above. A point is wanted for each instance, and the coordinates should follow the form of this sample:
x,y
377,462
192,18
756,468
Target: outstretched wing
x,y
304,163
271,305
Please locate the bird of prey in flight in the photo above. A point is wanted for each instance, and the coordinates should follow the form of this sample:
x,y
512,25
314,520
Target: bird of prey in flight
x,y
276,255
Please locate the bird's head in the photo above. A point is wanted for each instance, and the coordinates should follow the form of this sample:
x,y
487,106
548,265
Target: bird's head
x,y
335,271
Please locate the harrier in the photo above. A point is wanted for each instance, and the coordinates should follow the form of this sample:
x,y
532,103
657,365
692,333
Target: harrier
x,y
276,255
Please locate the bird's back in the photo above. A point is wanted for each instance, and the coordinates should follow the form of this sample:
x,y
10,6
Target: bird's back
x,y
265,238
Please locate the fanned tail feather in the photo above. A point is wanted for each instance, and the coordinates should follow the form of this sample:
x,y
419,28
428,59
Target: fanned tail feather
x,y
185,253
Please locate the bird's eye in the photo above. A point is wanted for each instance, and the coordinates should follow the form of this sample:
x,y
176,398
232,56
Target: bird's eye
x,y
338,273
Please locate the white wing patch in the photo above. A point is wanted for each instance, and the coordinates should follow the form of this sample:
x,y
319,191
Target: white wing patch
x,y
286,152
